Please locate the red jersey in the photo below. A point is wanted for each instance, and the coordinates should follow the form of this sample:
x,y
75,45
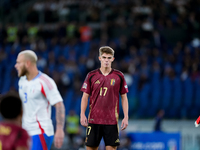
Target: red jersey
x,y
104,96
13,136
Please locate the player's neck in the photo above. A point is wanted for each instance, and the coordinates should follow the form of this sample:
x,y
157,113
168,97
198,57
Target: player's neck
x,y
105,71
13,121
32,74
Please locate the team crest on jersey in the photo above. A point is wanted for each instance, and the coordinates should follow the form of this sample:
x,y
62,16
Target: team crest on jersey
x,y
112,82
85,86
97,82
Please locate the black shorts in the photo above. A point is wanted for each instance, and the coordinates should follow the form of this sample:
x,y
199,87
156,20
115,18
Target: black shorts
x,y
95,132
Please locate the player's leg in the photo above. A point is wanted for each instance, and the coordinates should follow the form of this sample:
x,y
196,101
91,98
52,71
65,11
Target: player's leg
x,y
91,148
93,136
111,136
41,142
111,147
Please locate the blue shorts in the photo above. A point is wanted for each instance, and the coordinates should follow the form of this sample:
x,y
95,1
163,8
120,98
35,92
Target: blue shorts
x,y
42,142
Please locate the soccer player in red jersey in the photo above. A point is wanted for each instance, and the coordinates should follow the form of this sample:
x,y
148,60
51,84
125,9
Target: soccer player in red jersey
x,y
103,86
12,135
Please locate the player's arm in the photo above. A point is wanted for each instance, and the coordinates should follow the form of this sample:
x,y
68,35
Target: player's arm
x,y
60,115
125,111
84,102
50,91
60,120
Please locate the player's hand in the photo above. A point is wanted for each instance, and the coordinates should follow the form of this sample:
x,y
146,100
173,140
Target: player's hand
x,y
58,138
83,121
124,124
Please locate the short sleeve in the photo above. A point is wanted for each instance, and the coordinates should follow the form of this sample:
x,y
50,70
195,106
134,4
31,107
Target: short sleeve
x,y
50,91
124,87
86,87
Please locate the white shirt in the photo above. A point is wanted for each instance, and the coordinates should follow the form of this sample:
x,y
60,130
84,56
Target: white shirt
x,y
37,96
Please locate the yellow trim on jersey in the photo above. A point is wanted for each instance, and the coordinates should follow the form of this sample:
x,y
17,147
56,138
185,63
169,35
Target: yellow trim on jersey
x,y
116,113
89,114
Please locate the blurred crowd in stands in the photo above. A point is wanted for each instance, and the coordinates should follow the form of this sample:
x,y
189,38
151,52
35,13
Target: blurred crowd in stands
x,y
156,45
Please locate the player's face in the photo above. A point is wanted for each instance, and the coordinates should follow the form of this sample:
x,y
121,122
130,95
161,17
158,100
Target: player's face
x,y
106,60
20,66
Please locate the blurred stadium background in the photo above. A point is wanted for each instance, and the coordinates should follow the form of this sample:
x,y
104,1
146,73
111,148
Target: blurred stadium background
x,y
156,43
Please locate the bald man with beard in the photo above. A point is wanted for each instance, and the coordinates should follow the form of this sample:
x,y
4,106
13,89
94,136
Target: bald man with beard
x,y
38,92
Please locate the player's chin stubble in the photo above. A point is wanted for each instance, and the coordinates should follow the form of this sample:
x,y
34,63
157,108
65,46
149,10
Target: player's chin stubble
x,y
23,72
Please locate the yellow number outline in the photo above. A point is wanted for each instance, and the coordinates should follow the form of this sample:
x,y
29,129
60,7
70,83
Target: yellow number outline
x,y
105,88
100,91
89,129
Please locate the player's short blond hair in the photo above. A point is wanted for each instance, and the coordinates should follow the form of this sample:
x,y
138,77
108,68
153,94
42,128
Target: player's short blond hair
x,y
29,55
107,50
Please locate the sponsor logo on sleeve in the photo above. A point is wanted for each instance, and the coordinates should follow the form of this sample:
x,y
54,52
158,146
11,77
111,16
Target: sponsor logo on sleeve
x,y
85,86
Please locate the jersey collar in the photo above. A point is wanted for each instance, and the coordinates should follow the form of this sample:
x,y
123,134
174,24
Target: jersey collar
x,y
38,75
102,73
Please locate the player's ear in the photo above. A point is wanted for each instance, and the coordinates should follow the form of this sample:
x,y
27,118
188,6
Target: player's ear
x,y
113,59
99,58
28,63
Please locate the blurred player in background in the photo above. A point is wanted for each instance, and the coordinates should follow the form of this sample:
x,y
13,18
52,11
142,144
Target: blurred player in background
x,y
104,86
158,120
12,135
38,92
